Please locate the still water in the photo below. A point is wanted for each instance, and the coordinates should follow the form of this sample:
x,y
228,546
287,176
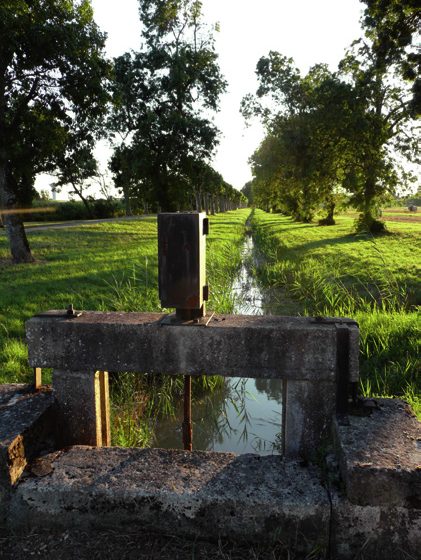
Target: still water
x,y
244,415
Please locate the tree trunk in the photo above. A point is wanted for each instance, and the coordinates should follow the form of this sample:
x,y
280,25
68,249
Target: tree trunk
x,y
367,220
127,204
18,242
83,199
213,205
329,220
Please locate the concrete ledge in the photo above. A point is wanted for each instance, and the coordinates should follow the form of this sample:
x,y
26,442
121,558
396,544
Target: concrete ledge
x,y
244,346
201,494
380,455
377,532
25,426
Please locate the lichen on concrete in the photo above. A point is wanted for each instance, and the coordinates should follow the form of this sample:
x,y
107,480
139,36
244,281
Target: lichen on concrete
x,y
200,494
380,454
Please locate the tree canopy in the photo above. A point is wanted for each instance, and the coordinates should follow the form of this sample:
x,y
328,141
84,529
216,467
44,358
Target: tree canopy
x,y
163,98
343,131
52,77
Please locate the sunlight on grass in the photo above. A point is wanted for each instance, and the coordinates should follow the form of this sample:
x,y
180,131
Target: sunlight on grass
x,y
329,271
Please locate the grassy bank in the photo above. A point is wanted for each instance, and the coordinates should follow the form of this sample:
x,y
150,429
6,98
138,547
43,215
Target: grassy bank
x,y
329,271
108,266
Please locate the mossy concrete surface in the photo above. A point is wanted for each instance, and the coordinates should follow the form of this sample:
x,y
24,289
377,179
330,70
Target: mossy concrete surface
x,y
200,494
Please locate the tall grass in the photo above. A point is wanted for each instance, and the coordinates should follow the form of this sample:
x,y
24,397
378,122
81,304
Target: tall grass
x,y
350,276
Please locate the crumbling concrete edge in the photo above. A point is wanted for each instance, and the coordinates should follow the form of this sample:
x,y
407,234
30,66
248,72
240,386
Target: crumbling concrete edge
x,y
25,442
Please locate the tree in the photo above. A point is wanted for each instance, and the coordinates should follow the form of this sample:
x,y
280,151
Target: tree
x,y
300,163
248,192
391,25
52,74
75,167
162,97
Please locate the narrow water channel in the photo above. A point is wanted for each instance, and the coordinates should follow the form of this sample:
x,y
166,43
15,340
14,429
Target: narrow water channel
x,y
244,415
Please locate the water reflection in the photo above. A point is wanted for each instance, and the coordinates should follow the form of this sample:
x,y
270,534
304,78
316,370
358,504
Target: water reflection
x,y
241,417
248,296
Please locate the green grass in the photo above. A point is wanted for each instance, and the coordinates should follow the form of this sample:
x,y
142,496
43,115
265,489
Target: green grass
x,y
329,271
109,266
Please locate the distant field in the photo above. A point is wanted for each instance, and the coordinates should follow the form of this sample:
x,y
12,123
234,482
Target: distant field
x,y
397,214
376,280
308,269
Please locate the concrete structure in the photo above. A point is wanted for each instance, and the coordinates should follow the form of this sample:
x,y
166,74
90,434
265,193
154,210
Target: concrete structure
x,y
304,352
248,498
348,486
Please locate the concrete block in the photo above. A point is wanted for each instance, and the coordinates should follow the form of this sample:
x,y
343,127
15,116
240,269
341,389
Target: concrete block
x,y
378,532
231,345
82,408
196,494
380,455
25,421
308,412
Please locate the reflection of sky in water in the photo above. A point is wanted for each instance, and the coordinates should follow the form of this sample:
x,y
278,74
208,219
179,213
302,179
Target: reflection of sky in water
x,y
246,416
248,297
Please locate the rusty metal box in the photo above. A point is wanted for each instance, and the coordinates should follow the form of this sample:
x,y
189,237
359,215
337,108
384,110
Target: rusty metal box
x,y
182,259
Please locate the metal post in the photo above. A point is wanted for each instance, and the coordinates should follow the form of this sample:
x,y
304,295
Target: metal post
x,y
187,423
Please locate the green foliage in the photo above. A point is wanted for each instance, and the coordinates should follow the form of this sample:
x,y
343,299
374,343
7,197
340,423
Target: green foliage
x,y
74,210
347,131
52,95
300,164
162,96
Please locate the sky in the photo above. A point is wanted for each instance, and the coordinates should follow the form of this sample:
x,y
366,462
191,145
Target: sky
x,y
309,31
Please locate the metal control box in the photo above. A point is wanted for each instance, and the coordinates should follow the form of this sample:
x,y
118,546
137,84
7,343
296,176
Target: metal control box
x,y
182,262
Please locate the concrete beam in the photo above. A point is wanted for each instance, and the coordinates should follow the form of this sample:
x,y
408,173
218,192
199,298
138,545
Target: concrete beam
x,y
244,346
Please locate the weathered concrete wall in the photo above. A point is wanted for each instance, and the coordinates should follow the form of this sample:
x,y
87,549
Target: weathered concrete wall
x,y
380,455
374,512
378,532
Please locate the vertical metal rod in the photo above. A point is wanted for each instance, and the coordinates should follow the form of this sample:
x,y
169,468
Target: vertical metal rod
x,y
187,423
105,408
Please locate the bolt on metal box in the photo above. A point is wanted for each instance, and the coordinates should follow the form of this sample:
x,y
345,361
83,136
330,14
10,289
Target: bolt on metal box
x,y
182,262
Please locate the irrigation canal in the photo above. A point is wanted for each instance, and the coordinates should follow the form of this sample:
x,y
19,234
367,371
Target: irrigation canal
x,y
243,416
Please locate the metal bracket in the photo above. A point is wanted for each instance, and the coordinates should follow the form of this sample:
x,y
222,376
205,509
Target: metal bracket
x,y
69,313
173,320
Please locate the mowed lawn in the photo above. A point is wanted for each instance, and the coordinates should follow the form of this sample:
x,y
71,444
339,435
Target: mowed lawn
x,y
375,280
107,266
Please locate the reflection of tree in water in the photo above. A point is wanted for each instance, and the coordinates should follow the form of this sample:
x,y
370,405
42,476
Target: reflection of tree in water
x,y
271,387
211,419
206,411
